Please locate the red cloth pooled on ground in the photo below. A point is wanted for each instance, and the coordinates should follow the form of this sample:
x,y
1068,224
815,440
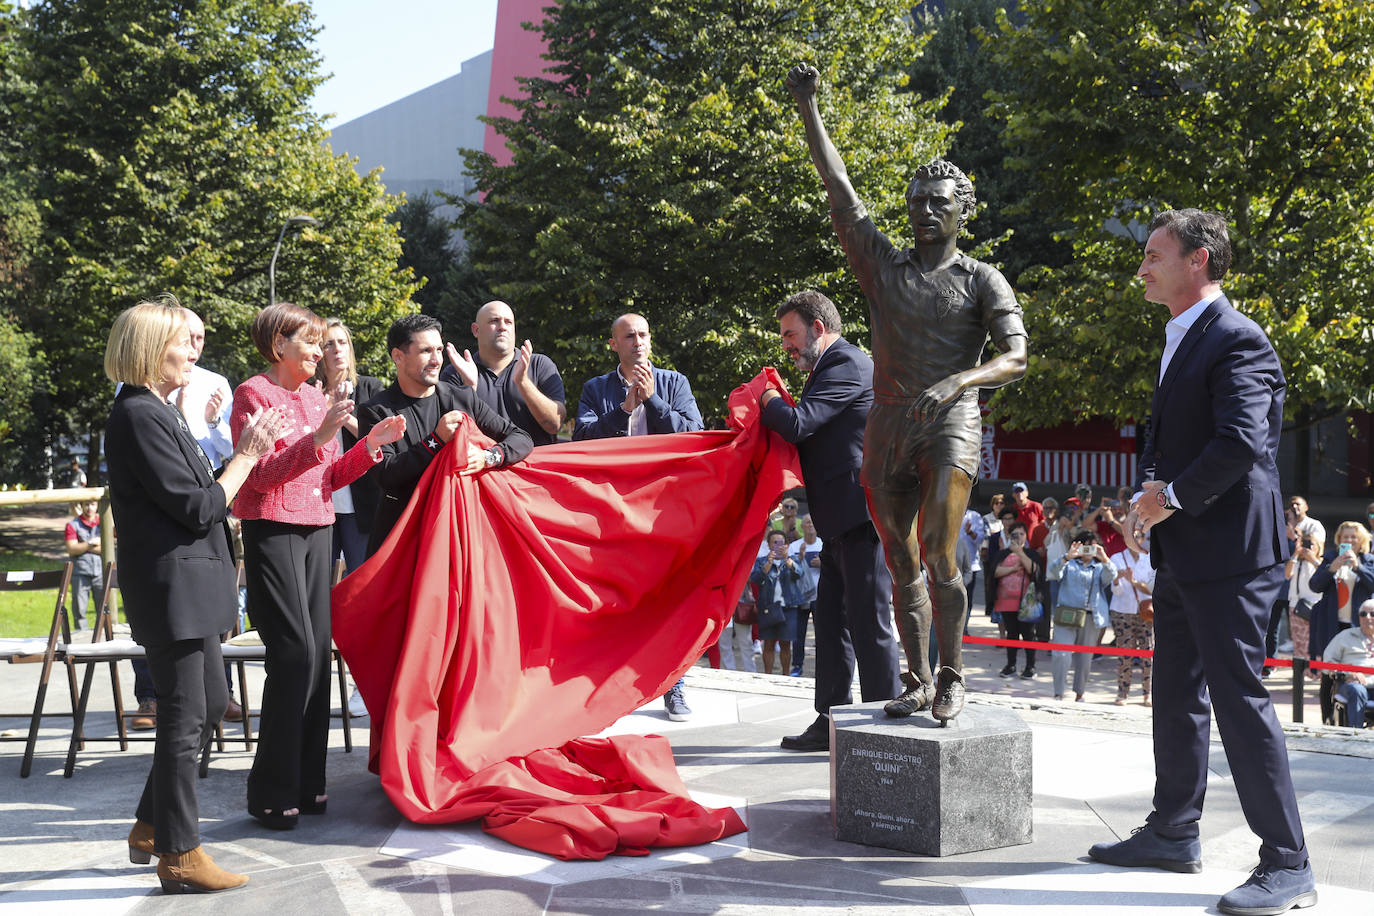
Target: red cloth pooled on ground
x,y
510,613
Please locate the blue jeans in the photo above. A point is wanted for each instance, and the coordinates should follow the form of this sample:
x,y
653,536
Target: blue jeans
x,y
1356,699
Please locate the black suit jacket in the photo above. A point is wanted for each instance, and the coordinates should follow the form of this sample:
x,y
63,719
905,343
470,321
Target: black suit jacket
x,y
176,562
404,461
827,427
1214,433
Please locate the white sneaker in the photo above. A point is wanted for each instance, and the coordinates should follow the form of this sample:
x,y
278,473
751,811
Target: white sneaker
x,y
356,707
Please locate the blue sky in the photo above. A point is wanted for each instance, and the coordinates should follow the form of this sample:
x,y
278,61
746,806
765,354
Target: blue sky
x,y
382,50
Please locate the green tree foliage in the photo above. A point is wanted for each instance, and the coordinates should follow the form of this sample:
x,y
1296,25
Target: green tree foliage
x,y
466,290
660,167
164,143
426,247
958,65
21,401
1263,111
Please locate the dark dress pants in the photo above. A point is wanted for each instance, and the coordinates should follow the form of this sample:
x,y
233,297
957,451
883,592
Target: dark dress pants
x,y
350,540
288,591
188,677
1209,640
853,621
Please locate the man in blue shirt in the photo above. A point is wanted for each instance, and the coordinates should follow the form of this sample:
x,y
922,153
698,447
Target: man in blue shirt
x,y
635,398
638,399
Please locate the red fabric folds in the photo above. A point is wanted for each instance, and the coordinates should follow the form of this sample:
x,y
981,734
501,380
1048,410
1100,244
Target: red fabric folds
x,y
510,613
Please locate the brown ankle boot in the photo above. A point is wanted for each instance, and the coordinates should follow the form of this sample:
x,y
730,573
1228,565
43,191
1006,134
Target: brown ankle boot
x,y
141,849
194,872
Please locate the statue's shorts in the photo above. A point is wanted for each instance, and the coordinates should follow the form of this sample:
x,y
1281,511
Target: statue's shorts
x,y
900,450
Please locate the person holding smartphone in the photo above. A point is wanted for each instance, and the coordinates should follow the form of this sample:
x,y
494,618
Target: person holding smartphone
x,y
1308,537
1084,579
1344,580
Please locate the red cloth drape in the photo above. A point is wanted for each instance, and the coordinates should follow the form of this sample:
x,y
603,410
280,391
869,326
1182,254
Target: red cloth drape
x,y
509,613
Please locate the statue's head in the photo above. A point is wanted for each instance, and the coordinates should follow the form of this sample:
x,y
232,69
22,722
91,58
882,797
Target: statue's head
x,y
939,170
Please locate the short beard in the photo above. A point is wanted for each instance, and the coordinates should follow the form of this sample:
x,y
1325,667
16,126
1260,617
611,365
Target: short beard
x,y
809,352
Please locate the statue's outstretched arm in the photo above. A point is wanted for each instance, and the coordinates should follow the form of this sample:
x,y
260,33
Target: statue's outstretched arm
x,y
803,81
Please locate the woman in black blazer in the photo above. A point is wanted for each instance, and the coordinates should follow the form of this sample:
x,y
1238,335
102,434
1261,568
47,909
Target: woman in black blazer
x,y
176,574
356,504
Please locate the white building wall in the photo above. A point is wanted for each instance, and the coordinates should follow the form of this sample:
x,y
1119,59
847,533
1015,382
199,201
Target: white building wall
x,y
416,139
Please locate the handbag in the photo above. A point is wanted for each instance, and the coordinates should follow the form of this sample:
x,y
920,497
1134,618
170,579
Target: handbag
x,y
1146,610
771,615
1031,609
1066,616
746,613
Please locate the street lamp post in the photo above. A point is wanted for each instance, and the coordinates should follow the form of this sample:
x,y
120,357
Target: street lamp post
x,y
292,222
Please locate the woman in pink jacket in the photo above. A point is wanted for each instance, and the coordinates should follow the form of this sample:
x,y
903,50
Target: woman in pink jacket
x,y
287,518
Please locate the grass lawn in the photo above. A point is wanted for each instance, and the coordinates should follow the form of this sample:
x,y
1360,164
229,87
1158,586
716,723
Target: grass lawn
x,y
26,613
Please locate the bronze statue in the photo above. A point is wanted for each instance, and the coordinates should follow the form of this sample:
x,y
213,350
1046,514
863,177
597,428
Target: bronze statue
x,y
932,310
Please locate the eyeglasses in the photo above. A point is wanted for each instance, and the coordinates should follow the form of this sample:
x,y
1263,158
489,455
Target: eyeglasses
x,y
1367,613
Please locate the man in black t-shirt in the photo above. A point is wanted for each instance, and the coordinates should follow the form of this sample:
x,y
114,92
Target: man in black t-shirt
x,y
432,410
517,383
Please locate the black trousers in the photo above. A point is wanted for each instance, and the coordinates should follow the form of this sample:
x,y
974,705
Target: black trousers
x,y
288,591
1023,630
853,621
188,676
1209,644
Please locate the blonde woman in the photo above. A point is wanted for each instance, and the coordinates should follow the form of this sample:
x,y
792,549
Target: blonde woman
x,y
1345,579
355,504
176,573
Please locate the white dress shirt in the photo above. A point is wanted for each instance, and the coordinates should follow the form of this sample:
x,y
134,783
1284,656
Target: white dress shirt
x,y
1174,333
191,401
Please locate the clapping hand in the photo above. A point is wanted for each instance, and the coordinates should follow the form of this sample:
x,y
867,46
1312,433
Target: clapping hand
x,y
465,365
521,371
264,428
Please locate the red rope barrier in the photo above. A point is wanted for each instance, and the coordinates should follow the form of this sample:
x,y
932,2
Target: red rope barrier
x,y
1144,653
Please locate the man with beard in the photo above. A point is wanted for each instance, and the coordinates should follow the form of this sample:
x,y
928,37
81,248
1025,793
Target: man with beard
x,y
932,311
827,426
432,411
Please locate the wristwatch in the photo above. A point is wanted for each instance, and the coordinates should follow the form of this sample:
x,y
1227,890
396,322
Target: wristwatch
x,y
1162,497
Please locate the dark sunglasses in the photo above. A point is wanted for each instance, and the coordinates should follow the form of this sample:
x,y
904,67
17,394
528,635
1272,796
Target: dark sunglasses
x,y
1367,613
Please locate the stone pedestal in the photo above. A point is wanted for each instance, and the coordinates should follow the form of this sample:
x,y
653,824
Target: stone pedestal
x,y
914,785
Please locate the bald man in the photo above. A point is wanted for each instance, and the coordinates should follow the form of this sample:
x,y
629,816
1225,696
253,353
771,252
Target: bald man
x,y
638,399
514,381
205,400
635,398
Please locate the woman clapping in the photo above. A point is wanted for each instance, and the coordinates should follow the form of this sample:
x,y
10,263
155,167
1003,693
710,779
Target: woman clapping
x,y
176,573
288,518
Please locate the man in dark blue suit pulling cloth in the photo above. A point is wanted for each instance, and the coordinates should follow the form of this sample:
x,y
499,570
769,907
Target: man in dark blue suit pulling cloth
x,y
1210,497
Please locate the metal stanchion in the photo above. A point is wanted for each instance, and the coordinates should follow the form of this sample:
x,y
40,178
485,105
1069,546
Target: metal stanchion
x,y
1299,681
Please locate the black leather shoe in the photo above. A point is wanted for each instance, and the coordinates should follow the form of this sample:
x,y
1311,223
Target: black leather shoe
x,y
1146,849
916,697
1271,890
815,738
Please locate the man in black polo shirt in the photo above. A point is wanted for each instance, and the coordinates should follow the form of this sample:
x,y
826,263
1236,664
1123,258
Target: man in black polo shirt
x,y
517,383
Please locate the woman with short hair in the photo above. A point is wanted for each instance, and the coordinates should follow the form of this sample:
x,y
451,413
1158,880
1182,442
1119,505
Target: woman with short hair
x,y
1345,580
177,573
288,516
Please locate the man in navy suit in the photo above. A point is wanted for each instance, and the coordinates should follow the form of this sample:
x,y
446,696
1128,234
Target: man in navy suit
x,y
851,617
1210,497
